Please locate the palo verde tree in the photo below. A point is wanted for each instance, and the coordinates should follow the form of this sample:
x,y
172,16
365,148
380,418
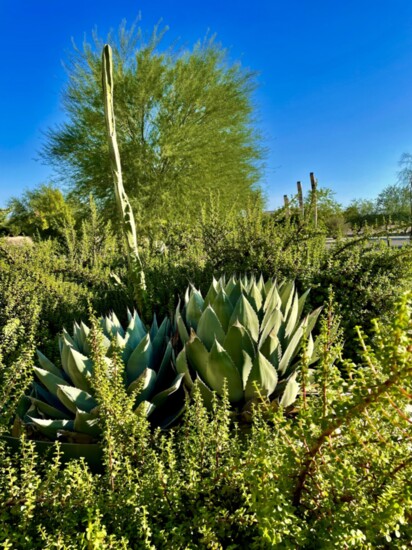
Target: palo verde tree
x,y
184,127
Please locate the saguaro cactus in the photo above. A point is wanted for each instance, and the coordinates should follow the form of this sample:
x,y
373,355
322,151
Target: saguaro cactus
x,y
125,209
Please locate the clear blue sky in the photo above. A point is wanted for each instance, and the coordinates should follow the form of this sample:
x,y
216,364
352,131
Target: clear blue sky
x,y
335,81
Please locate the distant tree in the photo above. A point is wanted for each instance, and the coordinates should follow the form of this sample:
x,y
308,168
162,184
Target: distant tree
x,y
405,181
3,221
393,203
361,212
330,212
43,211
184,124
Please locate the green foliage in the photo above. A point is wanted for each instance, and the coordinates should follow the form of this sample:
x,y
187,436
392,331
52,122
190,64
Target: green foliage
x,y
40,275
184,128
336,476
367,279
42,211
93,245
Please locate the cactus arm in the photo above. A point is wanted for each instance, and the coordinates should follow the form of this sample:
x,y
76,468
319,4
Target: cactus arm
x,y
122,200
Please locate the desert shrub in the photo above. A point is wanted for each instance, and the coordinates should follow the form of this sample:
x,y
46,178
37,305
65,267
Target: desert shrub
x,y
366,279
335,475
41,272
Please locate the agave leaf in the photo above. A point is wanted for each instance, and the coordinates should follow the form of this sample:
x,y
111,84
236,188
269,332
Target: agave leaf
x,y
69,340
79,369
159,399
261,286
223,308
65,347
49,410
84,335
181,327
116,325
269,347
194,308
205,392
262,379
246,316
292,318
135,331
237,290
286,296
48,397
51,428
197,355
255,297
159,342
77,336
291,350
183,368
230,285
290,393
272,300
46,364
236,342
107,327
246,368
168,420
86,423
165,370
302,301
147,382
211,293
154,328
140,359
49,380
311,320
209,328
270,325
220,367
74,398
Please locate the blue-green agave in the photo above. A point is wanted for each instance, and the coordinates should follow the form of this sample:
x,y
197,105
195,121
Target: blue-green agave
x,y
249,333
62,403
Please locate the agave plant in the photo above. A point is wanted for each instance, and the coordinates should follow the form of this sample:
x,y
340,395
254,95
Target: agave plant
x,y
247,332
62,404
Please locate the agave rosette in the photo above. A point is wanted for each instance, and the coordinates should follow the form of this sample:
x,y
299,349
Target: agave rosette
x,y
248,333
62,402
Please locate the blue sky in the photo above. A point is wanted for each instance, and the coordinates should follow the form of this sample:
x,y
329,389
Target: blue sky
x,y
334,81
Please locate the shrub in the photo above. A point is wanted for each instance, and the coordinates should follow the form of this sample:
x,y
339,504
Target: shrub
x,y
335,476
